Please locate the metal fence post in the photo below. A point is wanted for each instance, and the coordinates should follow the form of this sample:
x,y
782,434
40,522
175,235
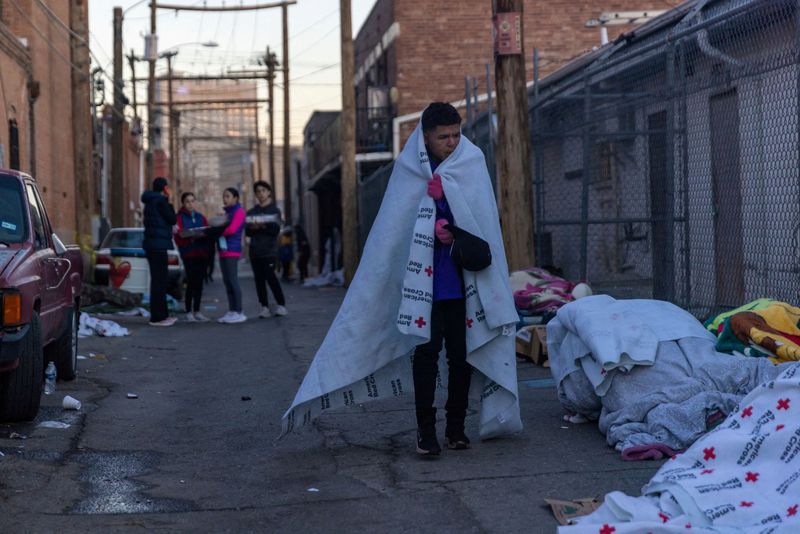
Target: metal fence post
x,y
585,175
687,253
670,165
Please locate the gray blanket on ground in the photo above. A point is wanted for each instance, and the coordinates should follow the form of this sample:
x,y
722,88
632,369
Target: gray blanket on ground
x,y
670,402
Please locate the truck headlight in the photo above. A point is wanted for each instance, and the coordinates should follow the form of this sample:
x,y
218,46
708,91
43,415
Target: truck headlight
x,y
12,308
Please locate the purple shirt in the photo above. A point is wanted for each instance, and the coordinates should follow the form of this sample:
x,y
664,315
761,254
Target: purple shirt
x,y
447,282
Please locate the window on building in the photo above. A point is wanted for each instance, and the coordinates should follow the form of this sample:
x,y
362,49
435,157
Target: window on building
x,y
13,144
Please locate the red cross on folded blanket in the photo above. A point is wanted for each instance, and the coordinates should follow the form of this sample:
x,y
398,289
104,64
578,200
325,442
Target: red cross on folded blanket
x,y
783,404
469,323
706,471
792,510
751,477
746,504
420,322
429,271
664,517
747,412
708,454
779,427
607,530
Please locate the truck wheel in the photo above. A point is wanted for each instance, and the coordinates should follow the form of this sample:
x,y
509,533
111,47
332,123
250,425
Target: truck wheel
x,y
21,389
64,350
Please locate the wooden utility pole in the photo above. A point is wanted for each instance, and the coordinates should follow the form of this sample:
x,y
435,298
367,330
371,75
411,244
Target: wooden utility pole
x,y
132,64
513,137
348,182
287,169
272,61
85,200
151,95
117,121
257,176
172,127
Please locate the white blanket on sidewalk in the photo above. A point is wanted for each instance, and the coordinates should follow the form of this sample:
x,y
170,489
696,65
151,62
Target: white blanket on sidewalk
x,y
604,336
386,312
743,476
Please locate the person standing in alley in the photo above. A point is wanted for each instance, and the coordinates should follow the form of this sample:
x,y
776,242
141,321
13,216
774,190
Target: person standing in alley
x,y
159,217
193,247
263,228
432,275
230,250
303,251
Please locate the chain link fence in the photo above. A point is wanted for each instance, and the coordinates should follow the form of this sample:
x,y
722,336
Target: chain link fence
x,y
666,163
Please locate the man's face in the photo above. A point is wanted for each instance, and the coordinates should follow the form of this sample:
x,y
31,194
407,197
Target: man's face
x,y
442,140
262,195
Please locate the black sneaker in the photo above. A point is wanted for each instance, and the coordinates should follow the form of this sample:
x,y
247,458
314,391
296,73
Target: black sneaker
x,y
456,440
427,444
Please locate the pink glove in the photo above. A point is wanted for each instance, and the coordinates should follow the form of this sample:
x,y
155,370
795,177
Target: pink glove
x,y
443,234
435,187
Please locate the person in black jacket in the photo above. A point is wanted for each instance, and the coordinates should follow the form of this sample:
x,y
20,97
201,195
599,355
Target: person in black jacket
x,y
159,218
263,227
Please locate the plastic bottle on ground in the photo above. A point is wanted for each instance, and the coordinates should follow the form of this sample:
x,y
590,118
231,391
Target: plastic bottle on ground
x,y
50,379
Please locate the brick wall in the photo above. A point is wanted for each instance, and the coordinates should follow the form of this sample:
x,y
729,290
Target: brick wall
x,y
49,49
441,42
14,62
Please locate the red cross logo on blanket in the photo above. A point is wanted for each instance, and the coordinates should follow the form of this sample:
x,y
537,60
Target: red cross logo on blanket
x,y
706,471
779,427
746,504
751,477
708,454
747,412
792,510
664,517
420,322
783,404
429,271
607,529
469,322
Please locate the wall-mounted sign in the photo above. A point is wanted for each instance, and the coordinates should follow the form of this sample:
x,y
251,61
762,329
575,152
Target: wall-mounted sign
x,y
507,33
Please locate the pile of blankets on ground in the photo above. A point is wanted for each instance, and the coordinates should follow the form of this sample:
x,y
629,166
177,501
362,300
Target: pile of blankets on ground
x,y
537,291
648,371
743,476
764,327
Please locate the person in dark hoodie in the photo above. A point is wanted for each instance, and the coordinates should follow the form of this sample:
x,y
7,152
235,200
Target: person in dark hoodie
x,y
159,218
263,227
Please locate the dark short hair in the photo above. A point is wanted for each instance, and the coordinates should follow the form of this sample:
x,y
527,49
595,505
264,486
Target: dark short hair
x,y
262,183
186,194
439,114
159,184
233,191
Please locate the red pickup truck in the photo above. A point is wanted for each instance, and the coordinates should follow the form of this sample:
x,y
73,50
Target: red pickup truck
x,y
40,287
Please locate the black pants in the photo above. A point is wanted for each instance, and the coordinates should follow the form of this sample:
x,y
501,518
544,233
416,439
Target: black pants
x,y
264,273
448,324
159,278
195,272
302,264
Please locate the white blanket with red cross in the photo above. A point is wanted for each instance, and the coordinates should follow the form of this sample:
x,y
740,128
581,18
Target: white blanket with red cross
x,y
743,476
366,354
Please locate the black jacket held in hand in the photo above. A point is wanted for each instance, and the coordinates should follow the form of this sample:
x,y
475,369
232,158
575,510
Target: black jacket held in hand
x,y
159,218
264,239
469,251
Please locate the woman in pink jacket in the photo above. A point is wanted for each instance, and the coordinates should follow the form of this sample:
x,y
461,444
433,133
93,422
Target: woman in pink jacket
x,y
230,250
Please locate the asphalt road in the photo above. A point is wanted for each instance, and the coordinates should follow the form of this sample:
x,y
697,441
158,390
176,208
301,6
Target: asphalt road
x,y
197,450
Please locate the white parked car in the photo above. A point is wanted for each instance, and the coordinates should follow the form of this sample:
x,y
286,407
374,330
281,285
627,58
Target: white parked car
x,y
120,262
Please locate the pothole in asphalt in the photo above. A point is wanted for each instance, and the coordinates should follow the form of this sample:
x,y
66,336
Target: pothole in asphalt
x,y
112,488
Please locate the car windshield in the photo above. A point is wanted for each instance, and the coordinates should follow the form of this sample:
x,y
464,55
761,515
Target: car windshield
x,y
124,239
12,215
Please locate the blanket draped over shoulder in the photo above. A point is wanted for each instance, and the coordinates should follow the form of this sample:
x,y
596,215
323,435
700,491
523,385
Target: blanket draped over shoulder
x,y
386,312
